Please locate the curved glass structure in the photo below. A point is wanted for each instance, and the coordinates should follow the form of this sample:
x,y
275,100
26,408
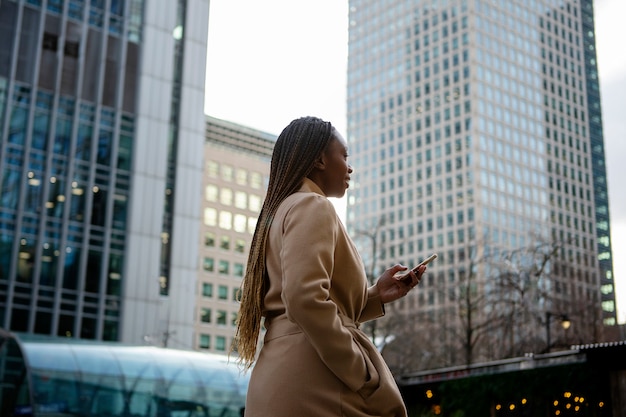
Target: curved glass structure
x,y
70,377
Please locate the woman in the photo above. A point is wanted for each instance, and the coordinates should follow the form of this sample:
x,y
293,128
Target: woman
x,y
306,279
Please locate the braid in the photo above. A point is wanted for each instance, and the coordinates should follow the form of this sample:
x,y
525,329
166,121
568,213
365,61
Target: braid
x,y
294,155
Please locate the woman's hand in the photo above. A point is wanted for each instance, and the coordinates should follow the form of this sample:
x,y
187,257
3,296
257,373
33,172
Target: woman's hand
x,y
392,287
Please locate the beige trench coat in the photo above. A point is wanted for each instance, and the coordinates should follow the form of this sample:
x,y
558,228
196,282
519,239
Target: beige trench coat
x,y
315,361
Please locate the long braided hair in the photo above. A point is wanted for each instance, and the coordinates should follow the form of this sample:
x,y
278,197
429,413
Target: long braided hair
x,y
296,150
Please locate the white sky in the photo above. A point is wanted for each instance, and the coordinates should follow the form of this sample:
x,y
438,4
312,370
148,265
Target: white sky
x,y
272,61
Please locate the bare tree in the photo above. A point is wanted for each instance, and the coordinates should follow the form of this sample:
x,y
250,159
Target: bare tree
x,y
522,294
373,242
494,310
493,306
528,289
434,338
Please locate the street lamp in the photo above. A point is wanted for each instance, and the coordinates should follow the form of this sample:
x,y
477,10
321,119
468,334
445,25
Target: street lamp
x,y
565,323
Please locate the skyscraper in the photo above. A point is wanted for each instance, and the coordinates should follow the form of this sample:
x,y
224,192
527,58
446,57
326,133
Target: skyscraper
x,y
475,131
102,126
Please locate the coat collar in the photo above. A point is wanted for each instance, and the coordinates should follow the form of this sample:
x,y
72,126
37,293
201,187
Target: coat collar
x,y
310,186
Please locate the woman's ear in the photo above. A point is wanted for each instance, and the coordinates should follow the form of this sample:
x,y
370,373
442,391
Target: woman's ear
x,y
320,163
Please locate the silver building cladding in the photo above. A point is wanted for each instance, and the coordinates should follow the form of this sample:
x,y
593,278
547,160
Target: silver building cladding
x,y
102,127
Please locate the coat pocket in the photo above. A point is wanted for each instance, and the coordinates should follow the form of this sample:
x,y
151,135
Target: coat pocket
x,y
372,382
380,391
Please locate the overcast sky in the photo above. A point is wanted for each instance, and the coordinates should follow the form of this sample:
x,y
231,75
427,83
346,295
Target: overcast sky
x,y
272,61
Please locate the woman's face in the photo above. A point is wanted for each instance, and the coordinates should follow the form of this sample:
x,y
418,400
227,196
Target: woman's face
x,y
332,173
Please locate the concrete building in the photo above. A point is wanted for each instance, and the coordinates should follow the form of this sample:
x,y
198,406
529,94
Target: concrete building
x,y
237,163
102,126
475,131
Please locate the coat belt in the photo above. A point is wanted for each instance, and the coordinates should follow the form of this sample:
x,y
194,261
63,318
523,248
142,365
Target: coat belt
x,y
282,326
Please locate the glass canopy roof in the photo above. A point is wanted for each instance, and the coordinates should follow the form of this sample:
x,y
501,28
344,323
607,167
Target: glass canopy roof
x,y
42,376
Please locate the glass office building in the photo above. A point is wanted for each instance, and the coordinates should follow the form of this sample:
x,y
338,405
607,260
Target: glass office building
x,y
475,132
51,376
102,127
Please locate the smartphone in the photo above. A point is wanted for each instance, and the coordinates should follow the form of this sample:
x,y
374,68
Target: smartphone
x,y
424,262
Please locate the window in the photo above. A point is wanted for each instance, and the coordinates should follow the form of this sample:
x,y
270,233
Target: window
x,y
241,176
205,315
225,242
211,193
221,317
212,169
209,239
208,264
226,196
226,220
210,216
256,180
227,173
205,341
240,199
238,269
207,289
220,343
255,203
223,267
240,245
222,292
251,224
240,223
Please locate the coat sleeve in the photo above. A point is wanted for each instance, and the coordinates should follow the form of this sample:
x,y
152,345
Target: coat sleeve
x,y
374,308
309,238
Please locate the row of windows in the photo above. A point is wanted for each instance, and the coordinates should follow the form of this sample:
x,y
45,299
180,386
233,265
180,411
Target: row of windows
x,y
228,197
428,243
228,221
564,268
223,267
567,188
374,158
435,134
96,14
219,344
570,141
225,242
417,142
222,291
433,297
435,56
364,207
575,207
430,225
495,217
240,176
220,318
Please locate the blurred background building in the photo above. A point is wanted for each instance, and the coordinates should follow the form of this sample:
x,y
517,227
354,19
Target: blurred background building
x,y
477,130
102,126
237,162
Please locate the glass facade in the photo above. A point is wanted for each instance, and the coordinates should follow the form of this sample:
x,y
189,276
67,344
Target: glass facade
x,y
600,195
44,376
474,130
91,95
67,126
